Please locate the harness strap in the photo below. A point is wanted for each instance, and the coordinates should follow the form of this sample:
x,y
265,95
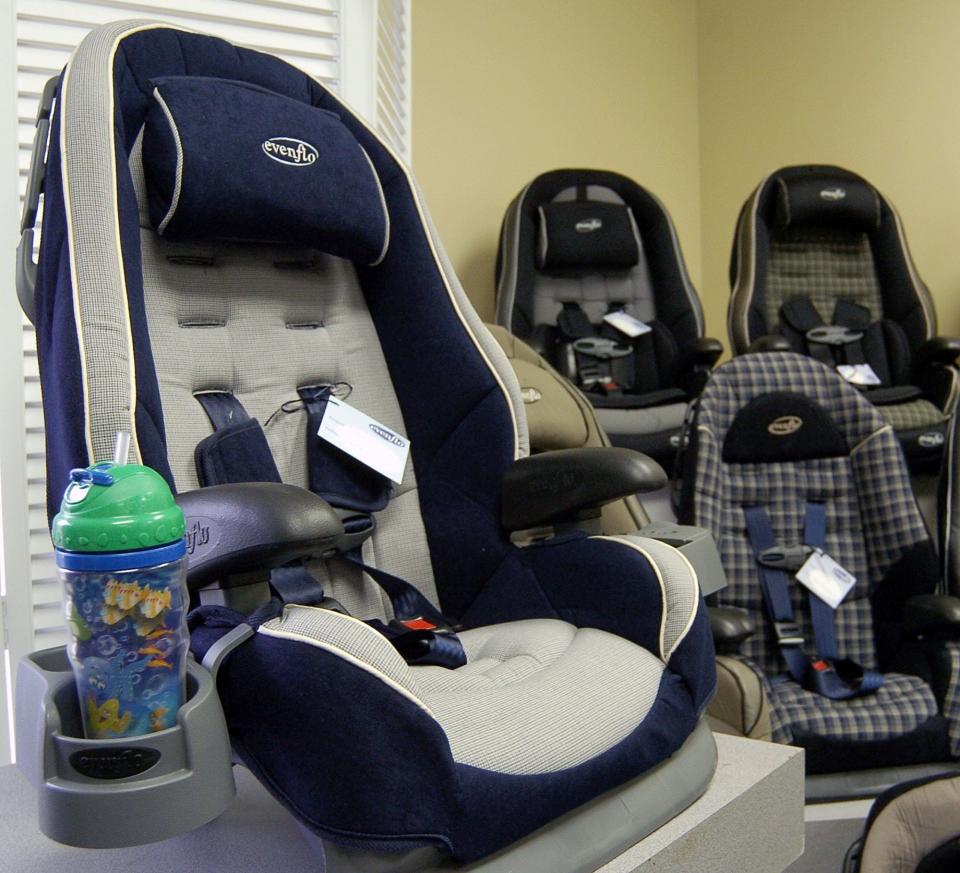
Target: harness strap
x,y
800,313
852,315
434,641
829,676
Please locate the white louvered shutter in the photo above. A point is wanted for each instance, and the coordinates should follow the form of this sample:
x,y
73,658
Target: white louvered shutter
x,y
306,33
393,74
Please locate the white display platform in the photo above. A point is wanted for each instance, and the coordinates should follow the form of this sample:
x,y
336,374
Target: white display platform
x,y
750,820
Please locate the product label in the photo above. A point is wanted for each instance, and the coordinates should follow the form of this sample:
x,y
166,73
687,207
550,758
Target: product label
x,y
859,374
365,439
627,324
826,578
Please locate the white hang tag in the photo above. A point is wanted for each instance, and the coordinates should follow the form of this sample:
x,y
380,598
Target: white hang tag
x,y
858,374
365,439
627,324
826,578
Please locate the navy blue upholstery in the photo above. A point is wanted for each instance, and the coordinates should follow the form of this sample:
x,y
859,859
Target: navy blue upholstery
x,y
362,764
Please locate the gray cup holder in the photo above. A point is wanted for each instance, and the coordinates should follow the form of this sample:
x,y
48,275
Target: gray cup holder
x,y
125,791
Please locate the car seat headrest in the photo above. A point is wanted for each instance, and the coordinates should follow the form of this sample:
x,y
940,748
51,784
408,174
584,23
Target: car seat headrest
x,y
225,159
587,233
822,199
782,426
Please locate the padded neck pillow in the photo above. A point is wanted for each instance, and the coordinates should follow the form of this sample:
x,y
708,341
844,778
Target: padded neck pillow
x,y
587,233
822,200
230,160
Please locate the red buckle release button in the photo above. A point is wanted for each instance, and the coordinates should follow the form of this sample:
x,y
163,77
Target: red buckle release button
x,y
418,624
820,666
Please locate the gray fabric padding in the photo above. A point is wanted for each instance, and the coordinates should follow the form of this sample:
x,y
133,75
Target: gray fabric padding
x,y
90,195
594,288
654,419
535,696
252,302
346,637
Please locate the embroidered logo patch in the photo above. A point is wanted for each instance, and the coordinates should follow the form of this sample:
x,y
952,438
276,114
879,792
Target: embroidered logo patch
x,y
530,395
833,194
931,439
588,225
784,425
290,151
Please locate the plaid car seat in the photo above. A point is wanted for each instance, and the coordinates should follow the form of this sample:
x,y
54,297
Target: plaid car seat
x,y
225,248
820,258
781,436
580,249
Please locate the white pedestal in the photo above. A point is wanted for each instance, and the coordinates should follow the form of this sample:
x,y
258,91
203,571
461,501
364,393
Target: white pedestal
x,y
750,820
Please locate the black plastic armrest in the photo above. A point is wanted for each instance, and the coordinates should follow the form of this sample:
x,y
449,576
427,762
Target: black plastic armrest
x,y
254,526
938,350
704,351
569,484
932,612
730,627
769,342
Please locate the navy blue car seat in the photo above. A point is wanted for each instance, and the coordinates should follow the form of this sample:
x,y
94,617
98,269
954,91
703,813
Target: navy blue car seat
x,y
226,252
820,258
786,457
579,247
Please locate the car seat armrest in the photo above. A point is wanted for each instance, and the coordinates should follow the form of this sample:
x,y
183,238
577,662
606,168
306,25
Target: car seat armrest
x,y
938,350
570,484
769,342
703,352
932,612
254,526
730,627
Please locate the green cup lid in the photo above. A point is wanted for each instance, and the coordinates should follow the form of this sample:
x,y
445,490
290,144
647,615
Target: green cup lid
x,y
116,508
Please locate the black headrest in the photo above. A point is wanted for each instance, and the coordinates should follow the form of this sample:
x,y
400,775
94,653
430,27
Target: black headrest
x,y
782,426
587,233
826,200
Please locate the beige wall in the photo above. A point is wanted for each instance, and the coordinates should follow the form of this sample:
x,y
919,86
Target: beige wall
x,y
696,99
871,85
506,89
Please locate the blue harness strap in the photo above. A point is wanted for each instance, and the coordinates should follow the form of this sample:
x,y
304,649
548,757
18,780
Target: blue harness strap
x,y
830,676
418,631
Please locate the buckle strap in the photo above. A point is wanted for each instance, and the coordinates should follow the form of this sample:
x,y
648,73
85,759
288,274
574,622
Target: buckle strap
x,y
222,408
601,347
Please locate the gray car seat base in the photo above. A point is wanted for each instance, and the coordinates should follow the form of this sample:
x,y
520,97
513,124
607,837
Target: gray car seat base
x,y
578,842
861,784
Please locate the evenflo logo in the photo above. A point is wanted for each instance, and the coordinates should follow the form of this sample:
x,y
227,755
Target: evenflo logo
x,y
387,435
287,150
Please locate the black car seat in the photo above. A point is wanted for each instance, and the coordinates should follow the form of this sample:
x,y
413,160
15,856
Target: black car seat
x,y
820,259
785,457
582,251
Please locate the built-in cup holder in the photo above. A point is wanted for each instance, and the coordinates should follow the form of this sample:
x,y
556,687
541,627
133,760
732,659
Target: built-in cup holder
x,y
125,791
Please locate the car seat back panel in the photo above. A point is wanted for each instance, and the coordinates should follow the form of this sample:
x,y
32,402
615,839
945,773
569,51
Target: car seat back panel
x,y
852,486
598,288
178,304
823,264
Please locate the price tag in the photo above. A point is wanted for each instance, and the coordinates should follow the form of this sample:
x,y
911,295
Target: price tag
x,y
365,439
859,374
826,578
627,324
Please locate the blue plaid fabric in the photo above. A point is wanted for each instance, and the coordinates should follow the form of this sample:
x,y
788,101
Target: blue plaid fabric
x,y
872,519
951,703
